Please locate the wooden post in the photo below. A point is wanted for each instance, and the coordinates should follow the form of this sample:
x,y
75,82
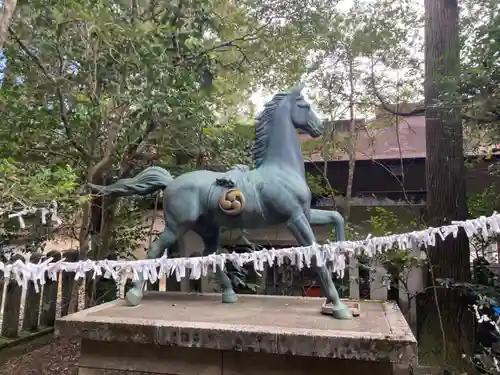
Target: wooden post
x,y
12,308
408,296
2,286
414,280
32,305
67,280
193,285
106,289
88,289
171,283
129,284
353,277
49,296
153,286
378,290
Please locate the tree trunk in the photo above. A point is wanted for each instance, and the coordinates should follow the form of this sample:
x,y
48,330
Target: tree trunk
x,y
329,139
446,194
98,213
445,169
6,14
352,140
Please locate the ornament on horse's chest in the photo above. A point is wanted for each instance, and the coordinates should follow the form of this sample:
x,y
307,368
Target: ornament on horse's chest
x,y
232,202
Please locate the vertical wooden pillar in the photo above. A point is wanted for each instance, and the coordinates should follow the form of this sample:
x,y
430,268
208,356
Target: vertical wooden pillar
x,y
68,280
49,296
353,277
32,306
194,285
12,308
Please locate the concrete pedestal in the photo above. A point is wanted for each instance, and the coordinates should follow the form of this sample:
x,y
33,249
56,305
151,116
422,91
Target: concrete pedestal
x,y
186,334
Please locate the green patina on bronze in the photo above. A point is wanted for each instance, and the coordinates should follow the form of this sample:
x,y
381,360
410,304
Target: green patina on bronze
x,y
275,192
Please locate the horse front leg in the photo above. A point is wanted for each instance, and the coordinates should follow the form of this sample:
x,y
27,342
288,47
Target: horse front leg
x,y
303,233
167,239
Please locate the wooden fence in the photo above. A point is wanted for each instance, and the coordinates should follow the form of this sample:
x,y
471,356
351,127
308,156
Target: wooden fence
x,y
26,312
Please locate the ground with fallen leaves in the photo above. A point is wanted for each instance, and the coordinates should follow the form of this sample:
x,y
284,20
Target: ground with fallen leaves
x,y
58,356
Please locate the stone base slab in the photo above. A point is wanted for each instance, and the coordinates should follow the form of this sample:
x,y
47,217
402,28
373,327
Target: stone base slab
x,y
106,358
181,333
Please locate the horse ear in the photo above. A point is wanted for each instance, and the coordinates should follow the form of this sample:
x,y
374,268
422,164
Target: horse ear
x,y
296,90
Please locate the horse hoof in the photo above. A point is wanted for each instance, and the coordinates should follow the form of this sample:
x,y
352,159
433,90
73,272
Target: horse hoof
x,y
229,297
342,312
133,297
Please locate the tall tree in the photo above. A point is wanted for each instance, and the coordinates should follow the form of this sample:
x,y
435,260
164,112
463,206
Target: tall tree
x,y
447,88
365,36
445,169
446,194
118,85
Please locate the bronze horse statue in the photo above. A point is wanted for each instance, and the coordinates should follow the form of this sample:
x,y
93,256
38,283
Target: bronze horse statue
x,y
275,192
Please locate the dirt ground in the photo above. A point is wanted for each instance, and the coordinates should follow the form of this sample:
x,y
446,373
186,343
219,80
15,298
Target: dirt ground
x,y
46,356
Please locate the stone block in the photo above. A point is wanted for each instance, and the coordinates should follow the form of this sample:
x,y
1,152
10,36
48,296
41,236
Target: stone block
x,y
184,334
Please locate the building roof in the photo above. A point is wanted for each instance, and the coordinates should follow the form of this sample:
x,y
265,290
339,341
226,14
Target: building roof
x,y
381,140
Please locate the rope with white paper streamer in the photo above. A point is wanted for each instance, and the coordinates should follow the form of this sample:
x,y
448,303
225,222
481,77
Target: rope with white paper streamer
x,y
46,212
335,252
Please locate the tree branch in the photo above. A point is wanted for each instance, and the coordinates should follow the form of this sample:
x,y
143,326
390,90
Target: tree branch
x,y
385,167
244,57
232,43
422,110
131,150
97,170
62,110
8,8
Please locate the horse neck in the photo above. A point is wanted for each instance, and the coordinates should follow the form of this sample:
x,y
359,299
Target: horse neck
x,y
283,147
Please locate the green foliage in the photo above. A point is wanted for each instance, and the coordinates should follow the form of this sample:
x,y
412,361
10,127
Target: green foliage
x,y
384,223
483,293
480,78
484,288
83,82
102,70
244,280
366,35
484,203
317,185
230,144
130,231
351,232
480,32
25,186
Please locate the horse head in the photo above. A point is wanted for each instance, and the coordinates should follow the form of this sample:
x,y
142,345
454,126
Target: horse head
x,y
275,134
302,115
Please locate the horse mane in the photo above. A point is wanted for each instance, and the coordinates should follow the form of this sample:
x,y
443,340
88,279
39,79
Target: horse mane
x,y
262,123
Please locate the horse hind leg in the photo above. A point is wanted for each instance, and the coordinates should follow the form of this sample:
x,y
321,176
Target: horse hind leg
x,y
167,239
302,231
324,217
210,237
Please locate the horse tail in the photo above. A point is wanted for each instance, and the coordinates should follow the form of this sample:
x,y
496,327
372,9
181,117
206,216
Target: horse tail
x,y
148,181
